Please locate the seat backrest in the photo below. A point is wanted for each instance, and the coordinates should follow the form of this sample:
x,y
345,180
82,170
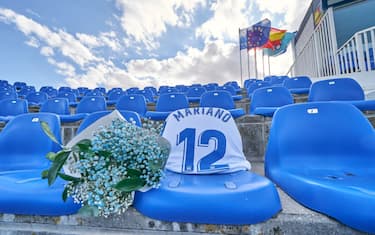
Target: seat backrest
x,y
68,95
12,107
320,134
336,89
115,94
256,85
38,97
90,104
130,116
171,102
220,99
297,82
148,94
195,91
8,95
275,96
204,140
135,102
228,88
23,143
56,105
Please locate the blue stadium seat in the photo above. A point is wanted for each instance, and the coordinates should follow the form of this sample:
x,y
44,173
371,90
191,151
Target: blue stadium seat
x,y
23,149
114,96
19,85
265,101
11,108
132,90
298,85
323,155
278,80
94,93
346,90
221,99
135,102
211,86
227,195
101,90
153,89
256,85
65,89
231,90
24,91
8,95
36,98
90,104
167,103
167,90
71,96
194,93
130,116
182,88
148,94
60,106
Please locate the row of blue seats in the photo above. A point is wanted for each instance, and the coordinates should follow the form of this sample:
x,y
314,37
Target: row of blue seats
x,y
321,154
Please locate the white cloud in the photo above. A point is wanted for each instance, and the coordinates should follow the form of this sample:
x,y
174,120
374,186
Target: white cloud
x,y
33,42
108,39
47,51
228,16
145,21
63,68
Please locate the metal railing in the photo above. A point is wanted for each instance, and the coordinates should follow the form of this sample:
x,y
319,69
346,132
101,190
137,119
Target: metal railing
x,y
318,56
357,54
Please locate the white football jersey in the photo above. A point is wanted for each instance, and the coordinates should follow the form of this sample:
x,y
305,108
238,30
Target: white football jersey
x,y
204,140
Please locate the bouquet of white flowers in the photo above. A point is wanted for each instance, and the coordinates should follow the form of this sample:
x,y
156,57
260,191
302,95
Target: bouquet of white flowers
x,y
119,159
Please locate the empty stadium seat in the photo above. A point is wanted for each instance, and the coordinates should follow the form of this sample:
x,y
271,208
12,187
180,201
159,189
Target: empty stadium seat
x,y
167,103
265,101
60,106
340,89
70,95
207,178
134,102
231,90
221,99
114,96
90,104
11,108
256,85
194,93
8,95
23,149
323,156
298,85
36,98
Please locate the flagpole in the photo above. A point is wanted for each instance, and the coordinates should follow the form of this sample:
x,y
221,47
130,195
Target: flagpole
x,y
248,64
269,65
263,63
255,63
239,34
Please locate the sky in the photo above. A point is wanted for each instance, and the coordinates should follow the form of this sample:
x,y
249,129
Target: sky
x,y
135,43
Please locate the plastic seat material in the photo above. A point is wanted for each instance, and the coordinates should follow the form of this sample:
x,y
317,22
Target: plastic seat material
x,y
168,90
8,95
167,103
148,94
36,98
60,106
235,85
194,93
346,90
278,80
221,99
101,90
130,116
298,85
182,88
11,108
265,101
71,96
322,155
132,90
134,102
90,104
22,190
94,93
218,191
65,89
256,85
153,89
114,96
231,90
19,85
25,91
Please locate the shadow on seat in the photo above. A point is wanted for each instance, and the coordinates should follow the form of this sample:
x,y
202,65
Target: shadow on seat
x,y
323,155
23,149
207,178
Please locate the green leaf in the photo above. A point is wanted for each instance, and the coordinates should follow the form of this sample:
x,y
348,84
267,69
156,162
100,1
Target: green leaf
x,y
45,174
105,154
68,177
88,211
130,184
57,165
65,194
51,156
134,173
82,146
48,132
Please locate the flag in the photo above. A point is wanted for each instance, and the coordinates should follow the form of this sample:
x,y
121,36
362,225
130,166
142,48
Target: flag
x,y
274,39
257,35
283,46
243,39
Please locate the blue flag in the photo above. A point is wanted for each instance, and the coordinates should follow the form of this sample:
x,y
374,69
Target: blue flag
x,y
243,39
257,35
283,46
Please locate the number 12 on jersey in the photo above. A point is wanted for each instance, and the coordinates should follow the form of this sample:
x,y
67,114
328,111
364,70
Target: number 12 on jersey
x,y
207,162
